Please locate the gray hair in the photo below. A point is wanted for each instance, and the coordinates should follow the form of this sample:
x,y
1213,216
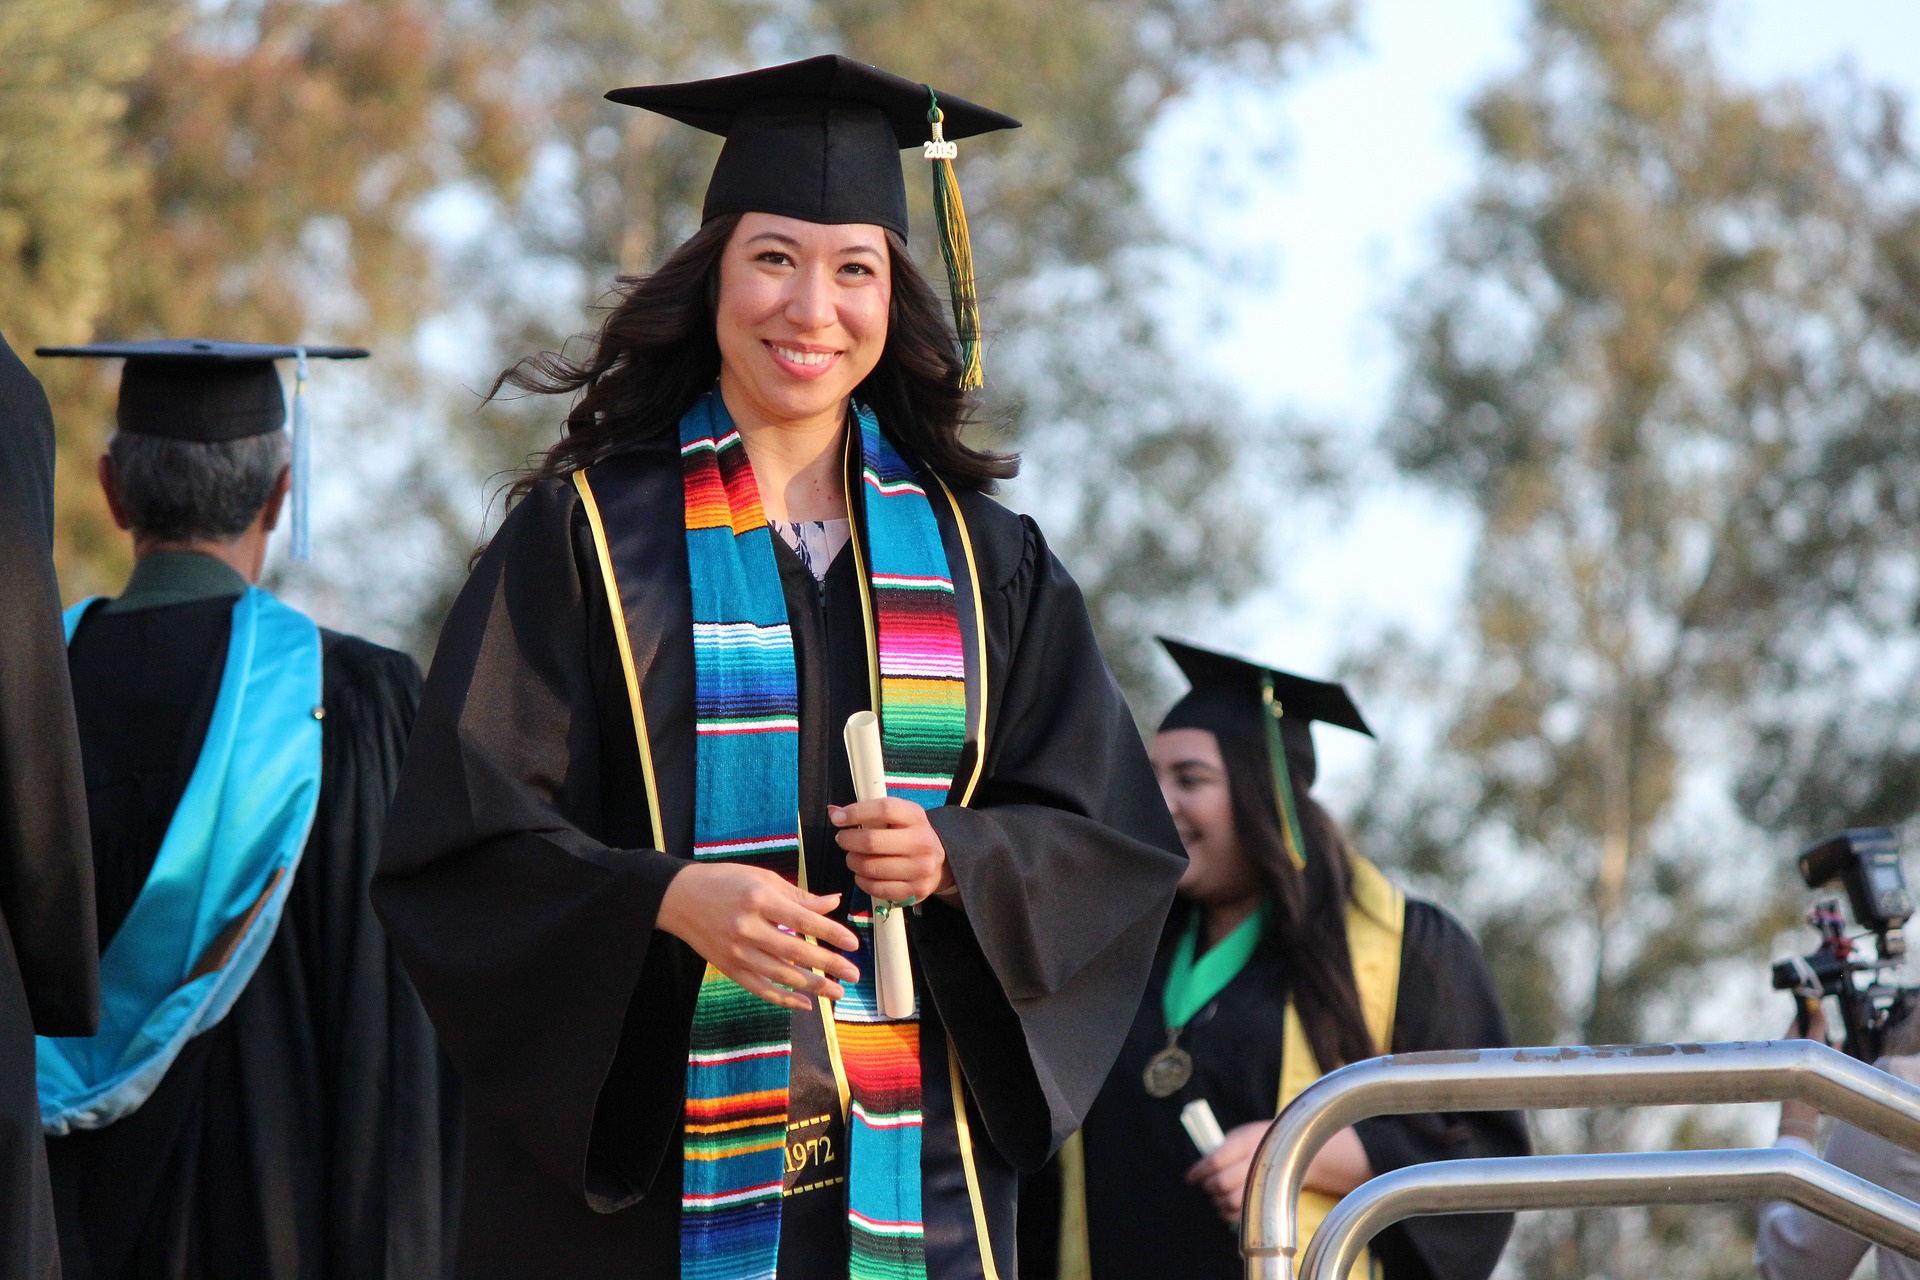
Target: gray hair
x,y
175,490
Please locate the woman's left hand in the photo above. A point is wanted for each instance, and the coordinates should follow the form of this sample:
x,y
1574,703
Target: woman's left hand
x,y
1223,1175
893,851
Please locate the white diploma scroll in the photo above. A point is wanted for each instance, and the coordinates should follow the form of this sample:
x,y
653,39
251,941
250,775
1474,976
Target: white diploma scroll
x,y
893,972
1201,1126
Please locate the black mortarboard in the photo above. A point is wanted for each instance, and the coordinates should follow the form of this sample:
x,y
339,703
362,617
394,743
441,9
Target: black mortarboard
x,y
1253,702
194,389
820,140
1230,691
205,391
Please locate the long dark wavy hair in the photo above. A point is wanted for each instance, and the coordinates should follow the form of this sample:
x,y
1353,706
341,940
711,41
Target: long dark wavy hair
x,y
657,353
1310,905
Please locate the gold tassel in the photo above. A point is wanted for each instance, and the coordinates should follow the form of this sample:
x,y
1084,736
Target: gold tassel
x,y
956,248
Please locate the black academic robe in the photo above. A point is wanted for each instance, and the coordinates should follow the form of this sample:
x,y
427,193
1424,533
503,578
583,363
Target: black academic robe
x,y
519,883
1145,1222
312,1134
49,963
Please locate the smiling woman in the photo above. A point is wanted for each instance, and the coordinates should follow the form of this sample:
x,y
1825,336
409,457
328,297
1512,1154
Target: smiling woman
x,y
812,298
801,321
626,867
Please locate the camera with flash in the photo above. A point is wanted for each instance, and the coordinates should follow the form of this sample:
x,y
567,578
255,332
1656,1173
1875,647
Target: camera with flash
x,y
1866,863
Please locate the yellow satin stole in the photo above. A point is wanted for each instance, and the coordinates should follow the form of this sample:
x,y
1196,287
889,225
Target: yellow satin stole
x,y
1376,918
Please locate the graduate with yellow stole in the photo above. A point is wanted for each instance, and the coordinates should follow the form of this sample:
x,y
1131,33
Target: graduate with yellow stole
x,y
1288,955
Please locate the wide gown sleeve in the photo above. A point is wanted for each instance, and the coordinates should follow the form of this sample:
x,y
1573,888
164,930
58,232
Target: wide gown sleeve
x,y
523,920
46,857
1446,1001
1066,862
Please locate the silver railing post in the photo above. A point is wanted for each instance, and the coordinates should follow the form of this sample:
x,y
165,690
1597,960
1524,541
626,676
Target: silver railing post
x,y
1601,1181
1549,1078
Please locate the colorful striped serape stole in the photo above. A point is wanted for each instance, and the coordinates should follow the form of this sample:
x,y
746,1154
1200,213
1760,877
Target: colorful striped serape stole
x,y
923,715
746,808
746,800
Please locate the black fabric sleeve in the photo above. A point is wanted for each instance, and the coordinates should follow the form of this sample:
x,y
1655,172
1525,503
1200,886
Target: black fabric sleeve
x,y
1446,1001
392,1175
46,858
523,915
1066,862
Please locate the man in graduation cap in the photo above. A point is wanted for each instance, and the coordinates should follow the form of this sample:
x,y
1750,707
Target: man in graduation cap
x,y
263,1097
626,865
49,965
1288,955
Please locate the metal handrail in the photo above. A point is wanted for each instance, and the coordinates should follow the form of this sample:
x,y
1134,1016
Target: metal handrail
x,y
1547,1078
1602,1181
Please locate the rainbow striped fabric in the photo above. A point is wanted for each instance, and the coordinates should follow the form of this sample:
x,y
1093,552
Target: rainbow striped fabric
x,y
923,718
746,805
923,672
746,721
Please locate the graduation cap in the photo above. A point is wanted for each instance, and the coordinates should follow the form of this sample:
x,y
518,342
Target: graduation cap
x,y
208,392
1231,693
820,140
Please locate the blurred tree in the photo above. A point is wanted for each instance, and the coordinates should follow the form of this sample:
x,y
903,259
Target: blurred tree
x,y
1667,358
67,180
1130,457
64,180
247,170
1837,743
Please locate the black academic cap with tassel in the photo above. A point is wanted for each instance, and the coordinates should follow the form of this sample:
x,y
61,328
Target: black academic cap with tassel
x,y
206,391
1232,693
820,140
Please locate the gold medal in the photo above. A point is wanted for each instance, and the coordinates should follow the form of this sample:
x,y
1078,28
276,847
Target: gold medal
x,y
1192,989
1168,1071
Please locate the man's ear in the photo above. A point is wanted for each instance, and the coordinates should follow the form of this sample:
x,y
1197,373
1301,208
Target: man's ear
x,y
110,486
270,514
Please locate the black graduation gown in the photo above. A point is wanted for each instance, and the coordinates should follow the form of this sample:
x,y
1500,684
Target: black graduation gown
x,y
311,1134
49,962
519,884
1144,1222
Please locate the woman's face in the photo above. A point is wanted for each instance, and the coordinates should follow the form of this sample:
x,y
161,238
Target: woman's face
x,y
1193,778
801,317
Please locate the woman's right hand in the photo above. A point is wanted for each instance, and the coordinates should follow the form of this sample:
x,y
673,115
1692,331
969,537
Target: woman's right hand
x,y
753,926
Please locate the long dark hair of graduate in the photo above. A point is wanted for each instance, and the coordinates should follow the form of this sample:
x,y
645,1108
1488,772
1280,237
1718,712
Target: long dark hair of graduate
x,y
656,354
1310,907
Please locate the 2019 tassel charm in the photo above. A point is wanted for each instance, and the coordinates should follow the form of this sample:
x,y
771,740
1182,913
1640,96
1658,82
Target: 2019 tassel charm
x,y
956,248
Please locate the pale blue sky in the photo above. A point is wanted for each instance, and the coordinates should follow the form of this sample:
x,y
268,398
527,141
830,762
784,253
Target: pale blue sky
x,y
1371,149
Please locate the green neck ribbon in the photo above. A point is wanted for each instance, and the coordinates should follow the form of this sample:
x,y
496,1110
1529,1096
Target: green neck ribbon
x,y
1282,780
1192,983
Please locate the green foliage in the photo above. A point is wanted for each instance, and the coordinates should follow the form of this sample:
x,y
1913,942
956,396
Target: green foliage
x,y
63,180
66,182
1667,360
